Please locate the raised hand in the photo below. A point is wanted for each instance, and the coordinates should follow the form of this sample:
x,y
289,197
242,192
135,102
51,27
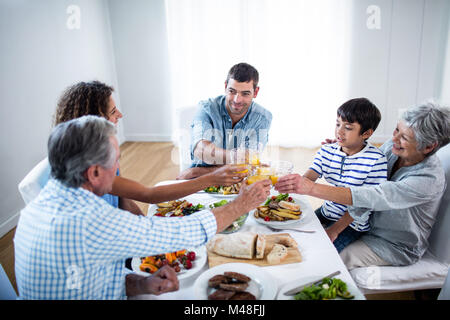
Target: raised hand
x,y
228,175
294,183
253,195
328,141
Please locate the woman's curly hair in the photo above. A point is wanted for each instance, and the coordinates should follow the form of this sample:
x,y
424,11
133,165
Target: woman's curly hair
x,y
81,99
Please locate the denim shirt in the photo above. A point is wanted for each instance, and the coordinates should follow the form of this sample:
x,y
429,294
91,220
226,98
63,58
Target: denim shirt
x,y
213,123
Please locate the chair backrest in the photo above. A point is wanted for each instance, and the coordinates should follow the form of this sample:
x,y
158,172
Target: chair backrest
x,y
7,291
439,238
183,121
34,181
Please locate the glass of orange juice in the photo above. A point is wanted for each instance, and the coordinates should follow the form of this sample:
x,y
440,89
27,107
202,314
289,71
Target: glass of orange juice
x,y
280,168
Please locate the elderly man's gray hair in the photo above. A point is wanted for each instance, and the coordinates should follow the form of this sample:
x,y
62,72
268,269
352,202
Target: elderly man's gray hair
x,y
75,145
430,123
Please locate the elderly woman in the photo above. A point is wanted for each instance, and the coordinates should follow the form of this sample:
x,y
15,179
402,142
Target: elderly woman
x,y
95,98
404,208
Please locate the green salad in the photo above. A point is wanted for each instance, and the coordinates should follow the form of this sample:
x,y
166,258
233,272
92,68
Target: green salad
x,y
328,288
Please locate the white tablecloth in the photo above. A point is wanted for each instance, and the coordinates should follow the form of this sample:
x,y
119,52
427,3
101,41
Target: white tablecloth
x,y
319,256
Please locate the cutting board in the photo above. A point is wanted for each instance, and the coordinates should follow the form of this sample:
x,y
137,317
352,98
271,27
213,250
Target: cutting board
x,y
293,256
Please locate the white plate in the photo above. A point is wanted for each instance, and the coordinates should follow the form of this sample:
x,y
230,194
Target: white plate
x,y
298,282
200,260
223,196
262,285
280,224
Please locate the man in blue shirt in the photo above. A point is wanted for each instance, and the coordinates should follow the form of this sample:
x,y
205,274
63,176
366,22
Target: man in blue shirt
x,y
71,244
227,123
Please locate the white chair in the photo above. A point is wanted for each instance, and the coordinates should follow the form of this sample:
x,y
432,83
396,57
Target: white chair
x,y
34,181
445,292
431,270
183,121
7,291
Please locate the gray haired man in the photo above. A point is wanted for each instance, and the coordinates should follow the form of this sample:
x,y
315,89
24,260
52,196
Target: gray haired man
x,y
77,243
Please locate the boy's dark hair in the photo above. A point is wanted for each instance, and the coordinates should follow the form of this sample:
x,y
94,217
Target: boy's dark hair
x,y
362,111
243,72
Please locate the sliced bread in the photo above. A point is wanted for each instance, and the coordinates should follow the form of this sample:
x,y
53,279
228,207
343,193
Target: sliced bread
x,y
278,254
260,246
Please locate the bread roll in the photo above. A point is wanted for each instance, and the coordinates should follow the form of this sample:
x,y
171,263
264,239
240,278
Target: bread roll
x,y
234,245
289,205
286,241
278,254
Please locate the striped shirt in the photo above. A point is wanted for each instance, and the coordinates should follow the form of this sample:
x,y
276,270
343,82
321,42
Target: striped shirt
x,y
71,244
367,167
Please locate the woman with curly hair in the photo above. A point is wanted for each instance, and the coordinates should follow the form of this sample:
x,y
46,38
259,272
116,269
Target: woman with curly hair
x,y
87,98
95,98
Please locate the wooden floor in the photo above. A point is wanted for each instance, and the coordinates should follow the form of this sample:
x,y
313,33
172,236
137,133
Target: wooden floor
x,y
152,162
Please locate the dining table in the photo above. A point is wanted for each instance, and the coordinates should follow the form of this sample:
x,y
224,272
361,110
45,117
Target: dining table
x,y
319,257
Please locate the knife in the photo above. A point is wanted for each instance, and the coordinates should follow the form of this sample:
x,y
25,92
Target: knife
x,y
300,288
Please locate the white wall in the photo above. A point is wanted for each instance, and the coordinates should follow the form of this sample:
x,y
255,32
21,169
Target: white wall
x,y
400,64
445,88
142,62
39,58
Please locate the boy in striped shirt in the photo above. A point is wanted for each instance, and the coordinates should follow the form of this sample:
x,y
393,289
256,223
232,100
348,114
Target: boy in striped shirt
x,y
350,161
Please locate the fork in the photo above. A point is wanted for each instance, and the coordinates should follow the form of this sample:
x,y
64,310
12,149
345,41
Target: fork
x,y
291,229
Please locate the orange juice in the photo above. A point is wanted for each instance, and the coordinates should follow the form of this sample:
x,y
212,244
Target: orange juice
x,y
256,178
255,160
274,179
243,171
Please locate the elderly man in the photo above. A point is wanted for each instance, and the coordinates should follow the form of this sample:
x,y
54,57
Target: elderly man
x,y
71,244
228,122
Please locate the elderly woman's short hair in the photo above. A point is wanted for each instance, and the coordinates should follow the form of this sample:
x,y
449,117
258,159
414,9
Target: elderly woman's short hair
x,y
430,123
75,145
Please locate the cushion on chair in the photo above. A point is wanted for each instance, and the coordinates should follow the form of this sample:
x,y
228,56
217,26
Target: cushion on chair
x,y
427,273
445,291
34,181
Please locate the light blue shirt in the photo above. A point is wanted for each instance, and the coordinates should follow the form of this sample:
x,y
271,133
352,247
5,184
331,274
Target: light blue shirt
x,y
405,208
71,244
213,123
